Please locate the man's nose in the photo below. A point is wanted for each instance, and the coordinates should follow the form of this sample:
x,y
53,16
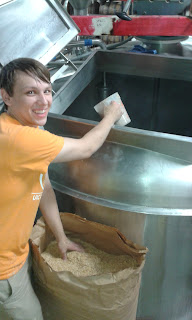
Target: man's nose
x,y
42,100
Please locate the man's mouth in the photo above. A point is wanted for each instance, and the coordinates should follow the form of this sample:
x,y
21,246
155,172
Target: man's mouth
x,y
40,111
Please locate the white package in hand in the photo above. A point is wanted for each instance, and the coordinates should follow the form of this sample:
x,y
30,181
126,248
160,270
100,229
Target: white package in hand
x,y
99,108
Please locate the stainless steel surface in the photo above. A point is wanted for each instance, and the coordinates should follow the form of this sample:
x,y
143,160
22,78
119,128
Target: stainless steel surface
x,y
34,28
3,2
64,97
161,7
120,63
152,103
137,183
60,73
133,179
141,171
153,90
168,45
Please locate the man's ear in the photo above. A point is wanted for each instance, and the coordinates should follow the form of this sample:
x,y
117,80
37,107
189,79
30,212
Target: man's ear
x,y
5,96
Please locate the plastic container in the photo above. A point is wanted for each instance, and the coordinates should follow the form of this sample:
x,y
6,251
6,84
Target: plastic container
x,y
99,108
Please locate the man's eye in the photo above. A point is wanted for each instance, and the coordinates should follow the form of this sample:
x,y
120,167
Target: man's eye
x,y
48,91
30,92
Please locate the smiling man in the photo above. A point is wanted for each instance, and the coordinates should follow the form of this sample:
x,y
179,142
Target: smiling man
x,y
26,152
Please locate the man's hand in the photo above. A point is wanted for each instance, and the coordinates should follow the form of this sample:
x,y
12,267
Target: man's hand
x,y
114,110
68,245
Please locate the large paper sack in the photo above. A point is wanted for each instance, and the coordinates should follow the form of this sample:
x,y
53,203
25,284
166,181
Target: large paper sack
x,y
104,297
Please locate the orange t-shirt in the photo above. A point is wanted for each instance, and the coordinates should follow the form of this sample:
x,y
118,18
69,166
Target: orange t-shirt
x,y
25,154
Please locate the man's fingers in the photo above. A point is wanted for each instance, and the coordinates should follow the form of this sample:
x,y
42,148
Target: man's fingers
x,y
69,246
64,255
76,247
80,248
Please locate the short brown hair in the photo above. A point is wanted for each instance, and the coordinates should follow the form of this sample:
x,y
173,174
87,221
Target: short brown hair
x,y
30,66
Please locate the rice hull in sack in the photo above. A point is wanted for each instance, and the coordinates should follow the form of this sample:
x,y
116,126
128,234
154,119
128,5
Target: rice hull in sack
x,y
109,296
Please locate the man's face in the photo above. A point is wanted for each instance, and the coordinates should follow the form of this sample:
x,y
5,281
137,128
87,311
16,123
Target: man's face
x,y
31,100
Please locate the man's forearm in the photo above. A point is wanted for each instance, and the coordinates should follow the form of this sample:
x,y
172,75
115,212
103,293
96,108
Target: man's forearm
x,y
49,209
96,137
77,149
50,212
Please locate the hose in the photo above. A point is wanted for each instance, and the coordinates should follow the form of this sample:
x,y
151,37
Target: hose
x,y
115,45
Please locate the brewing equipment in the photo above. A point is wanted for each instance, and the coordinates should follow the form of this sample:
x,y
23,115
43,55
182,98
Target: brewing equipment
x,y
80,7
140,180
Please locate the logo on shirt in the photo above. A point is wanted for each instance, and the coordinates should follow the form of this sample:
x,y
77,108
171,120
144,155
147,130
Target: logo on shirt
x,y
37,195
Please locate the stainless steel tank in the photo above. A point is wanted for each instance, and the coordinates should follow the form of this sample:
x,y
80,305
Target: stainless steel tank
x,y
141,183
141,179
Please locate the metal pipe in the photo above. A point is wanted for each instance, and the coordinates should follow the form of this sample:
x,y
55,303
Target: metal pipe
x,y
100,43
76,58
65,4
84,55
88,42
68,61
127,5
56,64
115,45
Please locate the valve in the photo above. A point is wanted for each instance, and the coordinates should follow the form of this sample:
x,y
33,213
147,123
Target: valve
x,y
123,15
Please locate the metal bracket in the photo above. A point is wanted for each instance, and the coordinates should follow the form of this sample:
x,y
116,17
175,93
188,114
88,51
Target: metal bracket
x,y
61,71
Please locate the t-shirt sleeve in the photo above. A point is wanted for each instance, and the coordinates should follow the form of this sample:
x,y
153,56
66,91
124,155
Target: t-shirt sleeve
x,y
35,149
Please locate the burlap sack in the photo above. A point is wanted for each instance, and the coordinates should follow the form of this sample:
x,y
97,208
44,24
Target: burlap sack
x,y
104,297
